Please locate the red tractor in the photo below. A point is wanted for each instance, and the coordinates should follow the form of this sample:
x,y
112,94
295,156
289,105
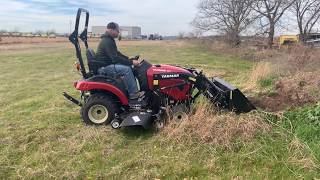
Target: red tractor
x,y
105,99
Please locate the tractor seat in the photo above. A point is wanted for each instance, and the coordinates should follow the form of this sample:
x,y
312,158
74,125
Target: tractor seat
x,y
91,56
93,64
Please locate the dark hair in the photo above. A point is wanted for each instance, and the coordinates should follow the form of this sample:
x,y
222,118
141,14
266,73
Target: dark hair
x,y
113,25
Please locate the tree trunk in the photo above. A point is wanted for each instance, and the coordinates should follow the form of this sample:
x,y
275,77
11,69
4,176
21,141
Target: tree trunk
x,y
271,35
302,37
302,34
233,38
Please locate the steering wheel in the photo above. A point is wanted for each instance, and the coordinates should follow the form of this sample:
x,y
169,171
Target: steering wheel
x,y
135,58
141,62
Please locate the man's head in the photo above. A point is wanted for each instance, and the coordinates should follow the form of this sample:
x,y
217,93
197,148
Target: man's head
x,y
113,29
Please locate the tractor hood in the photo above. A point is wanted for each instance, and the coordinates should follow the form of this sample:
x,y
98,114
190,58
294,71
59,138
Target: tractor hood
x,y
167,69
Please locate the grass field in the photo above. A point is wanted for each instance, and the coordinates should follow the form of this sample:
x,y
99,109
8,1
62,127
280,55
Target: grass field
x,y
42,136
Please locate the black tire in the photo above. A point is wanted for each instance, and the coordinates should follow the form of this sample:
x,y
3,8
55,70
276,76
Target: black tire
x,y
99,109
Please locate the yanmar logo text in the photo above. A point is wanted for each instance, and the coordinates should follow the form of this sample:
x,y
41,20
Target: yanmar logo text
x,y
170,76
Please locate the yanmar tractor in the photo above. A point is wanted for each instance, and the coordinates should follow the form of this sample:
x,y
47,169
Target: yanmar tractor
x,y
104,99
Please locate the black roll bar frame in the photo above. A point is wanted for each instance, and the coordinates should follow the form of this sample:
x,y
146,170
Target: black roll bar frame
x,y
73,38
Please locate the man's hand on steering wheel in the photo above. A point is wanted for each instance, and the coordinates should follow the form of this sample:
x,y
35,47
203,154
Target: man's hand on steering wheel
x,y
137,62
134,58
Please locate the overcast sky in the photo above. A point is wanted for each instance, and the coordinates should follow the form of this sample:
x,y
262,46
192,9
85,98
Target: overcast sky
x,y
167,17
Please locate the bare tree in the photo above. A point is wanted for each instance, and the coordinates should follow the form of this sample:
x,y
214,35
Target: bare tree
x,y
271,12
181,35
308,14
39,32
231,17
51,31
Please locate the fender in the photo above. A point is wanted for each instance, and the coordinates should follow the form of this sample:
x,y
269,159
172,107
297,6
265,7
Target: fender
x,y
88,86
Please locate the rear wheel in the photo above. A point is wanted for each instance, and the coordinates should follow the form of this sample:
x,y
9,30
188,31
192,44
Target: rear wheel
x,y
99,109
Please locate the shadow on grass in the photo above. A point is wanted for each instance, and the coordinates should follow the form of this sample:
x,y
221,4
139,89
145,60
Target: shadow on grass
x,y
137,132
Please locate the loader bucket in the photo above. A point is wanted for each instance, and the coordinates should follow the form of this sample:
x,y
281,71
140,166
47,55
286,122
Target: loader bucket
x,y
225,96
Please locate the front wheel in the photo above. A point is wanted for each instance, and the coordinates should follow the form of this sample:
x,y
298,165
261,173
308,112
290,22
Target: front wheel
x,y
115,124
99,109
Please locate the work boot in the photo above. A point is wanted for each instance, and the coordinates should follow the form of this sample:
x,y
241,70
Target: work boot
x,y
135,100
137,95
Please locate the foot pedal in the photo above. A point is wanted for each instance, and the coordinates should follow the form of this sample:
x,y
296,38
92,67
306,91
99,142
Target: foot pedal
x,y
140,99
135,106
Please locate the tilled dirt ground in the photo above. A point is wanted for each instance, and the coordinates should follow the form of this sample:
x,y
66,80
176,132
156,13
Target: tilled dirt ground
x,y
298,90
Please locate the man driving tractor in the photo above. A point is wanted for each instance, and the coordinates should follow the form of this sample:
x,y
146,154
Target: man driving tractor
x,y
117,63
104,100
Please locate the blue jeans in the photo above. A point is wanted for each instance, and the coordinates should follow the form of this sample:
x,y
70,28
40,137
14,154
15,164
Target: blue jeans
x,y
125,72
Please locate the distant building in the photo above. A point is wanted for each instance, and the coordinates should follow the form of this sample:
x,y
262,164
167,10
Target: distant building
x,y
127,32
312,36
130,32
97,31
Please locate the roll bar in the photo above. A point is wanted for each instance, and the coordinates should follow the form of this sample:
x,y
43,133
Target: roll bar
x,y
73,38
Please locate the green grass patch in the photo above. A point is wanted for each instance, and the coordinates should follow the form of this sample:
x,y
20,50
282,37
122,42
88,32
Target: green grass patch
x,y
267,85
305,124
267,82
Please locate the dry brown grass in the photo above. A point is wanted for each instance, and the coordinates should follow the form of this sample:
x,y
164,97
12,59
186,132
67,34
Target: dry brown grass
x,y
206,125
22,43
34,46
31,40
302,87
26,40
151,43
295,70
289,60
260,70
300,155
295,59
